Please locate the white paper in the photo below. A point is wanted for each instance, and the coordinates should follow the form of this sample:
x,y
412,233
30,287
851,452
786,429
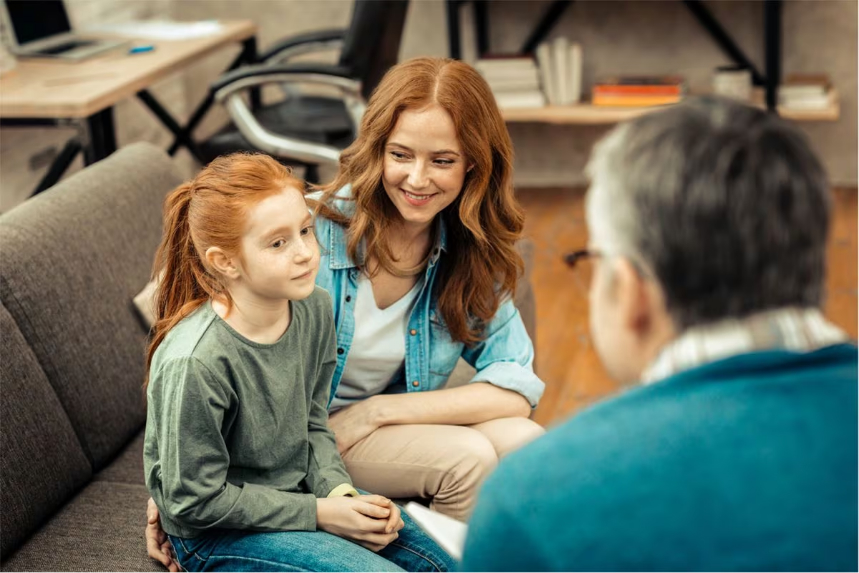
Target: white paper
x,y
161,29
444,530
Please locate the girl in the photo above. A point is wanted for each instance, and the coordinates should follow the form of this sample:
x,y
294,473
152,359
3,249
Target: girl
x,y
237,454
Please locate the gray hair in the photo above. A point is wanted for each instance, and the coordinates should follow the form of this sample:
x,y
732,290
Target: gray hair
x,y
724,204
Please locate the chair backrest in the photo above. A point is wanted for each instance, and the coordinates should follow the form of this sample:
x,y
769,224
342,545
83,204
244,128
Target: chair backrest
x,y
372,42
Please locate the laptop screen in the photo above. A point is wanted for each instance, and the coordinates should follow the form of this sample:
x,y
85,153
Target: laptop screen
x,y
32,20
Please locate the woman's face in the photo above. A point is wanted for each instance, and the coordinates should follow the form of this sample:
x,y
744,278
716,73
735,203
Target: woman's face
x,y
424,167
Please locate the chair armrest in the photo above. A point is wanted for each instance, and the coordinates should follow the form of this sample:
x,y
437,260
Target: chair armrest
x,y
316,41
249,76
227,91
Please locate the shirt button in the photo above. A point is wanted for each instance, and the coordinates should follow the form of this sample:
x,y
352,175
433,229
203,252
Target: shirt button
x,y
413,332
340,351
416,383
348,298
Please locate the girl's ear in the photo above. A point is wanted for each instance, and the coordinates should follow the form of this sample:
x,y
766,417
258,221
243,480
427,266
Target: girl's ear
x,y
219,261
469,168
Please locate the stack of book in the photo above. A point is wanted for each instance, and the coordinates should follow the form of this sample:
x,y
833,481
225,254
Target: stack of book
x,y
560,64
635,91
514,81
806,92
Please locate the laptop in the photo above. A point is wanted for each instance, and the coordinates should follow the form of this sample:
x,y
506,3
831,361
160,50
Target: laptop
x,y
41,29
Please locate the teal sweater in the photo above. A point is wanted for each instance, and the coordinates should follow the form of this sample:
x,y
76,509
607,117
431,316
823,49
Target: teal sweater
x,y
748,463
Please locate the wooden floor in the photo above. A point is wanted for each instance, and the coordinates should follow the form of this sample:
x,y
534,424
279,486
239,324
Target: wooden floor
x,y
566,360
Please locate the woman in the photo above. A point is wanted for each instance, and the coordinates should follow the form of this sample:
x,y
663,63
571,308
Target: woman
x,y
418,233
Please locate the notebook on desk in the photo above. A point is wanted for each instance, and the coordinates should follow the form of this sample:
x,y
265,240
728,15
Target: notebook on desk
x,y
42,30
448,532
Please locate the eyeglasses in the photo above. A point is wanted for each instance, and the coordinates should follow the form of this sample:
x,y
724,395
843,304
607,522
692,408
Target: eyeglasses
x,y
577,256
580,262
586,255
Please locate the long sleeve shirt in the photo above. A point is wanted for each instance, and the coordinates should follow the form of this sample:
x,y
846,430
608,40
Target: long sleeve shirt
x,y
236,431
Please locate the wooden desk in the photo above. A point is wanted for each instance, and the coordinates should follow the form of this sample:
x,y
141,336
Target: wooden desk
x,y
50,92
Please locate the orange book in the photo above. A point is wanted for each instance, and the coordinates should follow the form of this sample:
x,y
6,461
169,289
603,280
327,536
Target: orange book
x,y
634,100
616,89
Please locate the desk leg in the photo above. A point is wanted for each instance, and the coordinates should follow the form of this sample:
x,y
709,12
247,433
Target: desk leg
x,y
59,166
101,135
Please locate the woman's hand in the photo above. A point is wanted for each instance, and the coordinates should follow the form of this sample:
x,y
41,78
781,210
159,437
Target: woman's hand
x,y
157,544
371,521
354,423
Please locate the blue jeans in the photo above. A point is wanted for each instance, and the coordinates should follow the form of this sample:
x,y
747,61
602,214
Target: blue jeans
x,y
234,550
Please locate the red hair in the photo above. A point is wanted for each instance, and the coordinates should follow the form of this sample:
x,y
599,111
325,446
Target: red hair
x,y
481,265
210,210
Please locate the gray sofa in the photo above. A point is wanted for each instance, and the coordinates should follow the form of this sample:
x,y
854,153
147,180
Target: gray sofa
x,y
72,363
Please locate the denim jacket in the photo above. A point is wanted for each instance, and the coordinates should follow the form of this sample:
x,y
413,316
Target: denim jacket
x,y
504,357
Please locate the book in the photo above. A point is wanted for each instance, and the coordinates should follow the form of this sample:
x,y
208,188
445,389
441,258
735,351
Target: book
x,y
800,86
807,101
635,100
634,91
616,89
547,74
514,81
520,99
560,59
448,532
667,80
575,73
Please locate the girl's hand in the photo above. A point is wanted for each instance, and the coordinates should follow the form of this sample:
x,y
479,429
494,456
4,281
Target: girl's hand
x,y
357,519
354,423
157,544
395,521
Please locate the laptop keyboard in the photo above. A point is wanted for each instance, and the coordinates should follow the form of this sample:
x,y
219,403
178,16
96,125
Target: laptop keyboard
x,y
64,47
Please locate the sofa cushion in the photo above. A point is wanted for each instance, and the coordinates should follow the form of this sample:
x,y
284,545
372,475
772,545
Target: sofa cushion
x,y
127,467
43,463
72,260
101,529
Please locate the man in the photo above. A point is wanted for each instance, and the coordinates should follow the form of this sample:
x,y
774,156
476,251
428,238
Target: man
x,y
708,225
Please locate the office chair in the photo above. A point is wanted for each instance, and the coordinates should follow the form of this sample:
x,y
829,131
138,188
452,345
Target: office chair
x,y
308,130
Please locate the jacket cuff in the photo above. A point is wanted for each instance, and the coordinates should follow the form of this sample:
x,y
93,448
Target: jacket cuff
x,y
515,377
343,490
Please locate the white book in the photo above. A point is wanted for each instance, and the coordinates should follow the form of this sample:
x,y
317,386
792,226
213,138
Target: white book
x,y
501,74
521,99
561,56
547,77
513,84
444,530
575,95
492,64
806,102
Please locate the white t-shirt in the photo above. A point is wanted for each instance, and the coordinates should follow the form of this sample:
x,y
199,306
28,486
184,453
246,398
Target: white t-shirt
x,y
378,352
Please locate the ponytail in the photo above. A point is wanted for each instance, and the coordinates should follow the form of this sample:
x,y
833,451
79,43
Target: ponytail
x,y
183,283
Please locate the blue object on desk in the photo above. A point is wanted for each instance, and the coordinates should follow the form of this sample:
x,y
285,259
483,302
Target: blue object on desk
x,y
141,49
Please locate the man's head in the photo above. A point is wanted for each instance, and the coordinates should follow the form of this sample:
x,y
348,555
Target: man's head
x,y
705,211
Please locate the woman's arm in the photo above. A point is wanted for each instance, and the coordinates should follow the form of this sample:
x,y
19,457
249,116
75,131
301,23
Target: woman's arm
x,y
471,404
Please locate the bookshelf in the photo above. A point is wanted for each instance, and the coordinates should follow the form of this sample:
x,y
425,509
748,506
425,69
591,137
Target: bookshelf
x,y
587,114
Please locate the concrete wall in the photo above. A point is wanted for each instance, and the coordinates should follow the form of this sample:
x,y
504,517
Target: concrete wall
x,y
617,37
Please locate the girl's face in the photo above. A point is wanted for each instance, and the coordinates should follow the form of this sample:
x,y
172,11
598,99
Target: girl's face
x,y
280,256
425,167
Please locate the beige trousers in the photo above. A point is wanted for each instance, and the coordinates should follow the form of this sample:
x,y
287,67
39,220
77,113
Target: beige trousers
x,y
442,463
